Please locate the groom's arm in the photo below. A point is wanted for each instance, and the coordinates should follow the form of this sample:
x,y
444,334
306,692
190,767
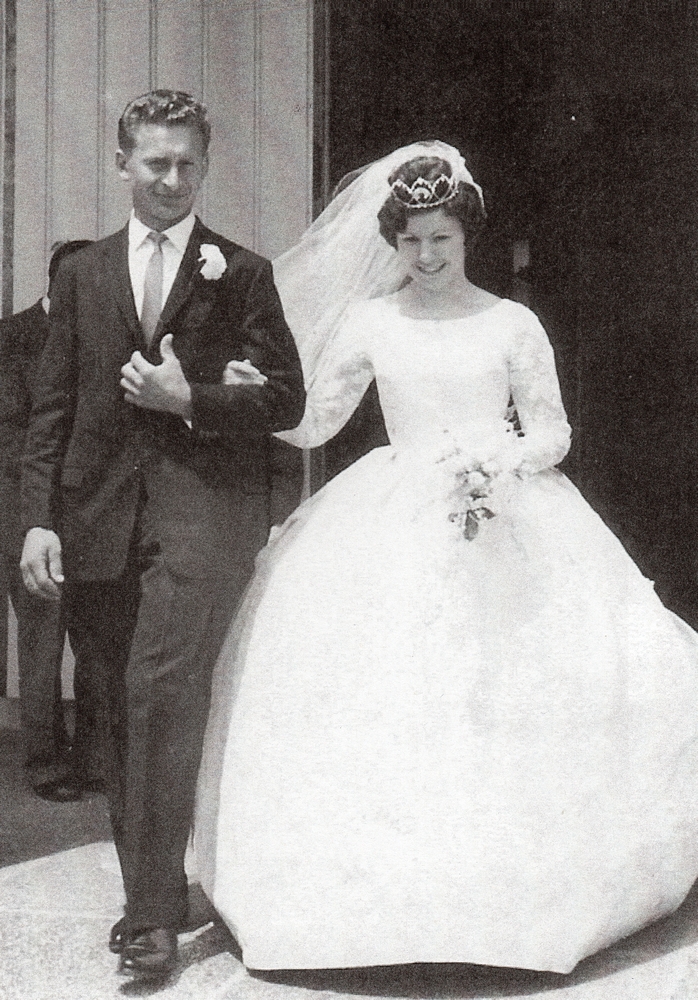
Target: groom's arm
x,y
54,386
256,396
54,391
255,409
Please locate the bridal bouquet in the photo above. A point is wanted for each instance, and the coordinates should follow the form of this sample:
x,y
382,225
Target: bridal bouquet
x,y
474,488
476,484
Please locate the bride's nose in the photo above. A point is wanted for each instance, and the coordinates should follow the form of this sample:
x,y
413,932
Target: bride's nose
x,y
425,253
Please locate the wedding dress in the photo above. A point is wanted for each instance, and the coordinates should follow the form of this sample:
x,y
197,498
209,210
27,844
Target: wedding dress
x,y
427,747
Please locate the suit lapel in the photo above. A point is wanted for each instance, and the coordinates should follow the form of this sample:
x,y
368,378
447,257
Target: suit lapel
x,y
184,282
116,263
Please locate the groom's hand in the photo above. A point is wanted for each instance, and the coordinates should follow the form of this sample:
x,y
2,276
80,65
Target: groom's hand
x,y
42,569
157,387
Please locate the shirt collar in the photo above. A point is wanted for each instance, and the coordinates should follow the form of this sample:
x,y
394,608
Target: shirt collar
x,y
178,234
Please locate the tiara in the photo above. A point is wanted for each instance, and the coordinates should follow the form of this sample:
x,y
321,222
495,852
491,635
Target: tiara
x,y
425,194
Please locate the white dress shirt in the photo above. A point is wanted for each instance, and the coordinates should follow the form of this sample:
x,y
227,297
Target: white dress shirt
x,y
140,250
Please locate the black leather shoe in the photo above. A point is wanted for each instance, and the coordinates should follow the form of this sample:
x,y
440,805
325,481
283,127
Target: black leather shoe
x,y
118,936
150,954
59,790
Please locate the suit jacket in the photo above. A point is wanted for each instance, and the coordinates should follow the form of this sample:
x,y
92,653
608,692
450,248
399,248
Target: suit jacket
x,y
89,454
22,339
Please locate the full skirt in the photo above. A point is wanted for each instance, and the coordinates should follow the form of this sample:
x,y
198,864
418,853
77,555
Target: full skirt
x,y
424,748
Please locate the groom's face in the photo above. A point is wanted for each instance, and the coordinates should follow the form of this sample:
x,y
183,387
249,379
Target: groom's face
x,y
165,170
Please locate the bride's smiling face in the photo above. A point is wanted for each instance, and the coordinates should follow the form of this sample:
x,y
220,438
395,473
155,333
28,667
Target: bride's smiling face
x,y
432,249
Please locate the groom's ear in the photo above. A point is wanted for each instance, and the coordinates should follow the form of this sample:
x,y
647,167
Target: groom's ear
x,y
121,160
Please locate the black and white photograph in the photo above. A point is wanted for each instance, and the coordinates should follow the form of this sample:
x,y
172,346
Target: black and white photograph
x,y
348,499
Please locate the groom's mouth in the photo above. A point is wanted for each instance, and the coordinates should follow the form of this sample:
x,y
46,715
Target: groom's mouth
x,y
165,195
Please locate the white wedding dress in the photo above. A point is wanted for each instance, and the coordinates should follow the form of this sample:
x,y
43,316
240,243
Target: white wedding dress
x,y
424,748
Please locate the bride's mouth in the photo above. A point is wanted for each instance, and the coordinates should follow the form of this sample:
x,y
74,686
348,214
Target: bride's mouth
x,y
431,270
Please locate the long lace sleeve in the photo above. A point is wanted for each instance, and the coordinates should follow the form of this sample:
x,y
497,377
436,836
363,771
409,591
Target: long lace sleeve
x,y
342,377
536,393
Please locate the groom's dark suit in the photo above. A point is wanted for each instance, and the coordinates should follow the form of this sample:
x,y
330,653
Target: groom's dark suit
x,y
159,523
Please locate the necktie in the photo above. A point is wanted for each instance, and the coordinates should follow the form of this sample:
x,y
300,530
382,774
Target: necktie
x,y
152,288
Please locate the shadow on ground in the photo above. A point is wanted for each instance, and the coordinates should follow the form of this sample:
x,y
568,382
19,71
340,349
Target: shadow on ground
x,y
33,828
442,981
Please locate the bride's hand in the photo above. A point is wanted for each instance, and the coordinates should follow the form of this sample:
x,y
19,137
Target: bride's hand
x,y
243,373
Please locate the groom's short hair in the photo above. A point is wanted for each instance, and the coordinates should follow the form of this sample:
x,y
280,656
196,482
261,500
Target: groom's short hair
x,y
162,107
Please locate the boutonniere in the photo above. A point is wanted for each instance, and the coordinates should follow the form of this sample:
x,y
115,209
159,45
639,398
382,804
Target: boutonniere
x,y
214,263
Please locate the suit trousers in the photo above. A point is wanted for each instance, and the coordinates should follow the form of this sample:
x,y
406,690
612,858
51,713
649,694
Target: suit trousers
x,y
154,635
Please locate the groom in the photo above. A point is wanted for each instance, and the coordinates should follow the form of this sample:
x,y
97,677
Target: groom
x,y
146,482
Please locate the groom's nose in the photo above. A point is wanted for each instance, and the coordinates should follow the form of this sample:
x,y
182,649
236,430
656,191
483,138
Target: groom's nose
x,y
172,178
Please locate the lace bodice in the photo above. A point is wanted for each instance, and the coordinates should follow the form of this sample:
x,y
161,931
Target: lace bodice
x,y
438,377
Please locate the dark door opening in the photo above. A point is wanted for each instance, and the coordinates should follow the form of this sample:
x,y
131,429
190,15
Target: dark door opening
x,y
579,121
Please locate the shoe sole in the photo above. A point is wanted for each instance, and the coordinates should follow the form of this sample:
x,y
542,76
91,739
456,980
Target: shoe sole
x,y
151,974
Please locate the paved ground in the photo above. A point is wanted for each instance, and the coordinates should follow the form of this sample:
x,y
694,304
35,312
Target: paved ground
x,y
32,828
57,905
55,915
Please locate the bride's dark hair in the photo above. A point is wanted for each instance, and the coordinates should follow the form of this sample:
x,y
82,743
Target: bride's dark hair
x,y
464,205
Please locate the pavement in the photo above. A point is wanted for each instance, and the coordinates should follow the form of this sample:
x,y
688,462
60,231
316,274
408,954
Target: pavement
x,y
56,912
60,892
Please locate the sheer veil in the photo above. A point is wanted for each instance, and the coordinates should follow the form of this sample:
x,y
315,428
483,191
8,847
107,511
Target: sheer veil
x,y
342,258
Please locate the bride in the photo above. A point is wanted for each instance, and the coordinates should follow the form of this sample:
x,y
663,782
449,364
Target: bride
x,y
452,721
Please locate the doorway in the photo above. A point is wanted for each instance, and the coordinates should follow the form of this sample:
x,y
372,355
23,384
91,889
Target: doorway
x,y
579,122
